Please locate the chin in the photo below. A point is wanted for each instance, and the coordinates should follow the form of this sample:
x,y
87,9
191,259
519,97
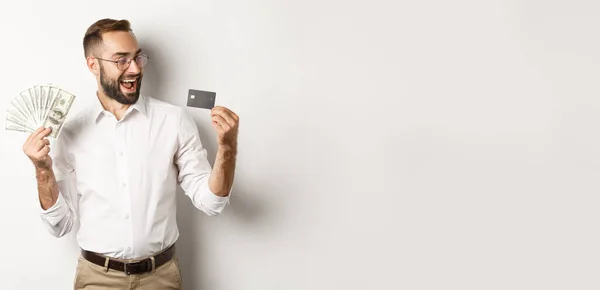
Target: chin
x,y
131,99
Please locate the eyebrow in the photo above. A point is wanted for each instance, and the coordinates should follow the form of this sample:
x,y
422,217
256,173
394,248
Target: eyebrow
x,y
126,53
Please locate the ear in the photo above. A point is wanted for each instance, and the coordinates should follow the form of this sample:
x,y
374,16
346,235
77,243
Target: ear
x,y
92,65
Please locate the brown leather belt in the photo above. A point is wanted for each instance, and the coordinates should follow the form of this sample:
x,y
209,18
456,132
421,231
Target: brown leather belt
x,y
138,267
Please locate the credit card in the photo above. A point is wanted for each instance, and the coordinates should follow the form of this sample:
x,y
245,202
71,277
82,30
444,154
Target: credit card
x,y
201,99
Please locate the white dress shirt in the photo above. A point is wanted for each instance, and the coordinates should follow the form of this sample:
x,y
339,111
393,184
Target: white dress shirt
x,y
118,179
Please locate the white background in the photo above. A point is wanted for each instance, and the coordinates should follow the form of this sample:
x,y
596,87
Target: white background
x,y
383,145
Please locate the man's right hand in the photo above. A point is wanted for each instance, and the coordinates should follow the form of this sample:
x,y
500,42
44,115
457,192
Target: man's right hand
x,y
37,148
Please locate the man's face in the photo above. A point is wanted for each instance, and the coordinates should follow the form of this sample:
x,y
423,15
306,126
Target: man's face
x,y
121,85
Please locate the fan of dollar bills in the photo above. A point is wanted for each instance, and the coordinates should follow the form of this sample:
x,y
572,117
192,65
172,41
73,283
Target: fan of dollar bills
x,y
42,105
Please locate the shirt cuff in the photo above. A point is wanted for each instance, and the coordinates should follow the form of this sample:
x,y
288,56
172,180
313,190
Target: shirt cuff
x,y
212,198
56,212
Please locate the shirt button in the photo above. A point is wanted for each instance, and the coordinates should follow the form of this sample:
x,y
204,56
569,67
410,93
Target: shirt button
x,y
126,216
128,249
121,154
124,185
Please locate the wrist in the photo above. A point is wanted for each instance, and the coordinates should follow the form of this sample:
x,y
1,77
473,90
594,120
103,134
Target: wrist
x,y
227,151
43,171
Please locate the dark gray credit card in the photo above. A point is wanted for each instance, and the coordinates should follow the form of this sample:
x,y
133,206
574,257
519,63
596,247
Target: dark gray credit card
x,y
201,99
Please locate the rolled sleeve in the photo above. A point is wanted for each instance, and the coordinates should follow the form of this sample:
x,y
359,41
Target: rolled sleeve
x,y
61,217
57,212
195,170
213,203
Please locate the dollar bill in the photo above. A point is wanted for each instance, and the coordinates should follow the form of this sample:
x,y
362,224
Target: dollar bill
x,y
19,105
38,96
27,105
33,96
17,113
51,96
57,114
17,120
45,105
43,101
16,127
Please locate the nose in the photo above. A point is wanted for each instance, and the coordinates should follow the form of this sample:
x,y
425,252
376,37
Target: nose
x,y
133,68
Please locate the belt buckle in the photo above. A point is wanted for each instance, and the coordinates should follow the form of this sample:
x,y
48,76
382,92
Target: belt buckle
x,y
141,266
126,268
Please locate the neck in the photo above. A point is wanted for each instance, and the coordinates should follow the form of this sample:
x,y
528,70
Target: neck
x,y
111,105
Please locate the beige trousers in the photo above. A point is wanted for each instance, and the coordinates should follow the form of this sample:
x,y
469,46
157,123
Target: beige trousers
x,y
90,276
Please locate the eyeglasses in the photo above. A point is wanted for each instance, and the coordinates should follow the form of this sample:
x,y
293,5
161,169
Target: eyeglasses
x,y
123,62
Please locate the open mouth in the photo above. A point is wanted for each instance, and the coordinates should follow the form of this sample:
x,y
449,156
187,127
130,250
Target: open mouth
x,y
129,85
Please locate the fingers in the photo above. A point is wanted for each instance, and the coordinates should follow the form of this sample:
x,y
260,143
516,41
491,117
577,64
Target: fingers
x,y
39,134
227,119
37,141
35,133
221,122
230,117
41,143
44,152
37,147
45,133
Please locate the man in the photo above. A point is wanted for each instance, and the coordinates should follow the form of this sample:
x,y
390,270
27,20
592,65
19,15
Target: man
x,y
115,168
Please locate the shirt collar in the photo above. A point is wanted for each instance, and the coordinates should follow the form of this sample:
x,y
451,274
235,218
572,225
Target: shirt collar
x,y
139,106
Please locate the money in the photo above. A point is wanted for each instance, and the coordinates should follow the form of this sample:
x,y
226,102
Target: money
x,y
17,121
16,127
45,105
57,114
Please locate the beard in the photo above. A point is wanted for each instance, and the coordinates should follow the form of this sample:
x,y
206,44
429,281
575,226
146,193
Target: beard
x,y
112,88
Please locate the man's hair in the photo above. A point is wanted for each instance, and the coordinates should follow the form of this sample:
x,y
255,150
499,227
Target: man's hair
x,y
92,41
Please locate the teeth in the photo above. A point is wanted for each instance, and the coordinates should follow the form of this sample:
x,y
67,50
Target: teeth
x,y
128,81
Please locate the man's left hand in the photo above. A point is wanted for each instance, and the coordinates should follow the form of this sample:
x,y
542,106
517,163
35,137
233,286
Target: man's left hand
x,y
226,123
